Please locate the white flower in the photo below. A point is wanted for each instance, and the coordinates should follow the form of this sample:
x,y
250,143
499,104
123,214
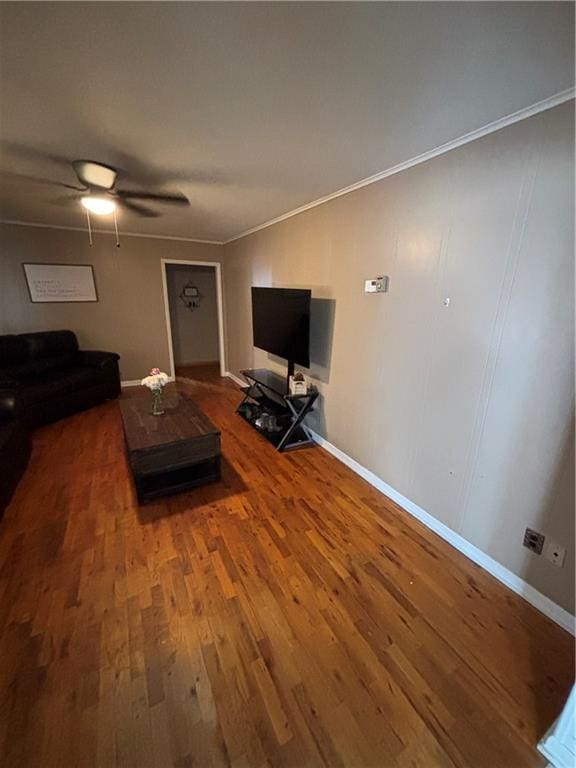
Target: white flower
x,y
155,381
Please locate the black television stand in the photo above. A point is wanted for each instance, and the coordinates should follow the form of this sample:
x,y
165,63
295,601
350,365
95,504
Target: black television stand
x,y
269,407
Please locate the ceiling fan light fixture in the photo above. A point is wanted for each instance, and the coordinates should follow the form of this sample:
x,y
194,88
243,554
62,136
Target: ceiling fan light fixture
x,y
100,206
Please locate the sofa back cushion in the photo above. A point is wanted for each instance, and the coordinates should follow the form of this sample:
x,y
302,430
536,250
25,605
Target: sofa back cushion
x,y
13,351
45,352
48,344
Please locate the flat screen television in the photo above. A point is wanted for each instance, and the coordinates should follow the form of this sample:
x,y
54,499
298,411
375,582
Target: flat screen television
x,y
281,323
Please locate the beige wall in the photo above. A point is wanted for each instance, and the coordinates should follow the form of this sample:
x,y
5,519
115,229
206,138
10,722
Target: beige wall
x,y
194,332
129,317
467,410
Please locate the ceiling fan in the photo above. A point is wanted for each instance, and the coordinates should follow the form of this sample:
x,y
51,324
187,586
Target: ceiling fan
x,y
100,195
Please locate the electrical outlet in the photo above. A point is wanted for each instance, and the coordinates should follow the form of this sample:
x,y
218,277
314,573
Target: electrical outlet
x,y
555,554
533,541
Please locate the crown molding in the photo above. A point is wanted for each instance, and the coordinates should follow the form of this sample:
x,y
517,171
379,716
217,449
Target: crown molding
x,y
515,117
497,125
108,232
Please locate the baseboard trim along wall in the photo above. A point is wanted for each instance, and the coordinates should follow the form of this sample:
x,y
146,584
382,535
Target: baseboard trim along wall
x,y
236,379
558,744
542,603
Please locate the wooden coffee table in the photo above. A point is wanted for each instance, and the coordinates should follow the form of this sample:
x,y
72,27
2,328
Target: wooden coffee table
x,y
170,453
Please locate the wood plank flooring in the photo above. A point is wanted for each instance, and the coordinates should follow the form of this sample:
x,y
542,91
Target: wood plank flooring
x,y
200,371
287,616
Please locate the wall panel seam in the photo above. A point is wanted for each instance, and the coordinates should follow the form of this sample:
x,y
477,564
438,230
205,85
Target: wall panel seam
x,y
497,335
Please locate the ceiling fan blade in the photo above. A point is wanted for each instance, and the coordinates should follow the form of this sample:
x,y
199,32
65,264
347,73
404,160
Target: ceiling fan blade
x,y
70,186
8,176
14,150
65,200
140,210
170,199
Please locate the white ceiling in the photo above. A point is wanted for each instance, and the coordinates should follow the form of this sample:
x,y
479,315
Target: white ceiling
x,y
254,109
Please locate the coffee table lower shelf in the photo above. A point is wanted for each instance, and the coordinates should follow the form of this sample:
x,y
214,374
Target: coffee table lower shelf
x,y
171,453
151,486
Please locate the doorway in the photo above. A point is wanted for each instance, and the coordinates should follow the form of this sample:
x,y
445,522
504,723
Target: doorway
x,y
194,323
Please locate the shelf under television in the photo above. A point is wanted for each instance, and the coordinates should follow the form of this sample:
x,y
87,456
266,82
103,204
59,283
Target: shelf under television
x,y
265,402
266,392
299,437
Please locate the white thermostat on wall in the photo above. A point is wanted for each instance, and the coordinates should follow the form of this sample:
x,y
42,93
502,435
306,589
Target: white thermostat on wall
x,y
376,285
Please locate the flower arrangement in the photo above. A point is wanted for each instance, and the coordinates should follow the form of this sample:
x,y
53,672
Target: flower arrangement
x,y
156,381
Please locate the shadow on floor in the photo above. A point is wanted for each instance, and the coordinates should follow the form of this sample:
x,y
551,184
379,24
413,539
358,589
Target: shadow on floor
x,y
230,484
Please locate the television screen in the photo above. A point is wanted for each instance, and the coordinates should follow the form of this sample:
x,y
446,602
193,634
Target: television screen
x,y
281,322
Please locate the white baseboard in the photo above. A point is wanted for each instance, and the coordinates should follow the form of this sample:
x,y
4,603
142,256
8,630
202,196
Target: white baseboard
x,y
559,744
542,603
558,755
136,382
235,379
546,606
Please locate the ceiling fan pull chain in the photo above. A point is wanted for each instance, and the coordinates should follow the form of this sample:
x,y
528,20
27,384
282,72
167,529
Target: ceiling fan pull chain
x,y
116,228
89,228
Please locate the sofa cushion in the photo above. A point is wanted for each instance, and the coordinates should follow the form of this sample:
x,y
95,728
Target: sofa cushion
x,y
48,344
51,378
15,445
58,383
46,352
36,369
9,429
13,351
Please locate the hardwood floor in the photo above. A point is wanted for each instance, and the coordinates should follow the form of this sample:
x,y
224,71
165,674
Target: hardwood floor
x,y
203,372
287,616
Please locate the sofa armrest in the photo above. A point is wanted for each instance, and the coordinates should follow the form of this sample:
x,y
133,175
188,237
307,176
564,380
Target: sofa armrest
x,y
95,359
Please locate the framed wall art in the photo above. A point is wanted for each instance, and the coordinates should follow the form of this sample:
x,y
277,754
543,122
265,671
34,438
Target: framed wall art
x,y
60,283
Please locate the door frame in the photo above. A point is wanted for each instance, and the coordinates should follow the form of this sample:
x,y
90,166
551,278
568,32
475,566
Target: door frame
x,y
218,275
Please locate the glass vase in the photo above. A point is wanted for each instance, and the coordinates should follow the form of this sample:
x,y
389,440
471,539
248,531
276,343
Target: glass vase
x,y
157,407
